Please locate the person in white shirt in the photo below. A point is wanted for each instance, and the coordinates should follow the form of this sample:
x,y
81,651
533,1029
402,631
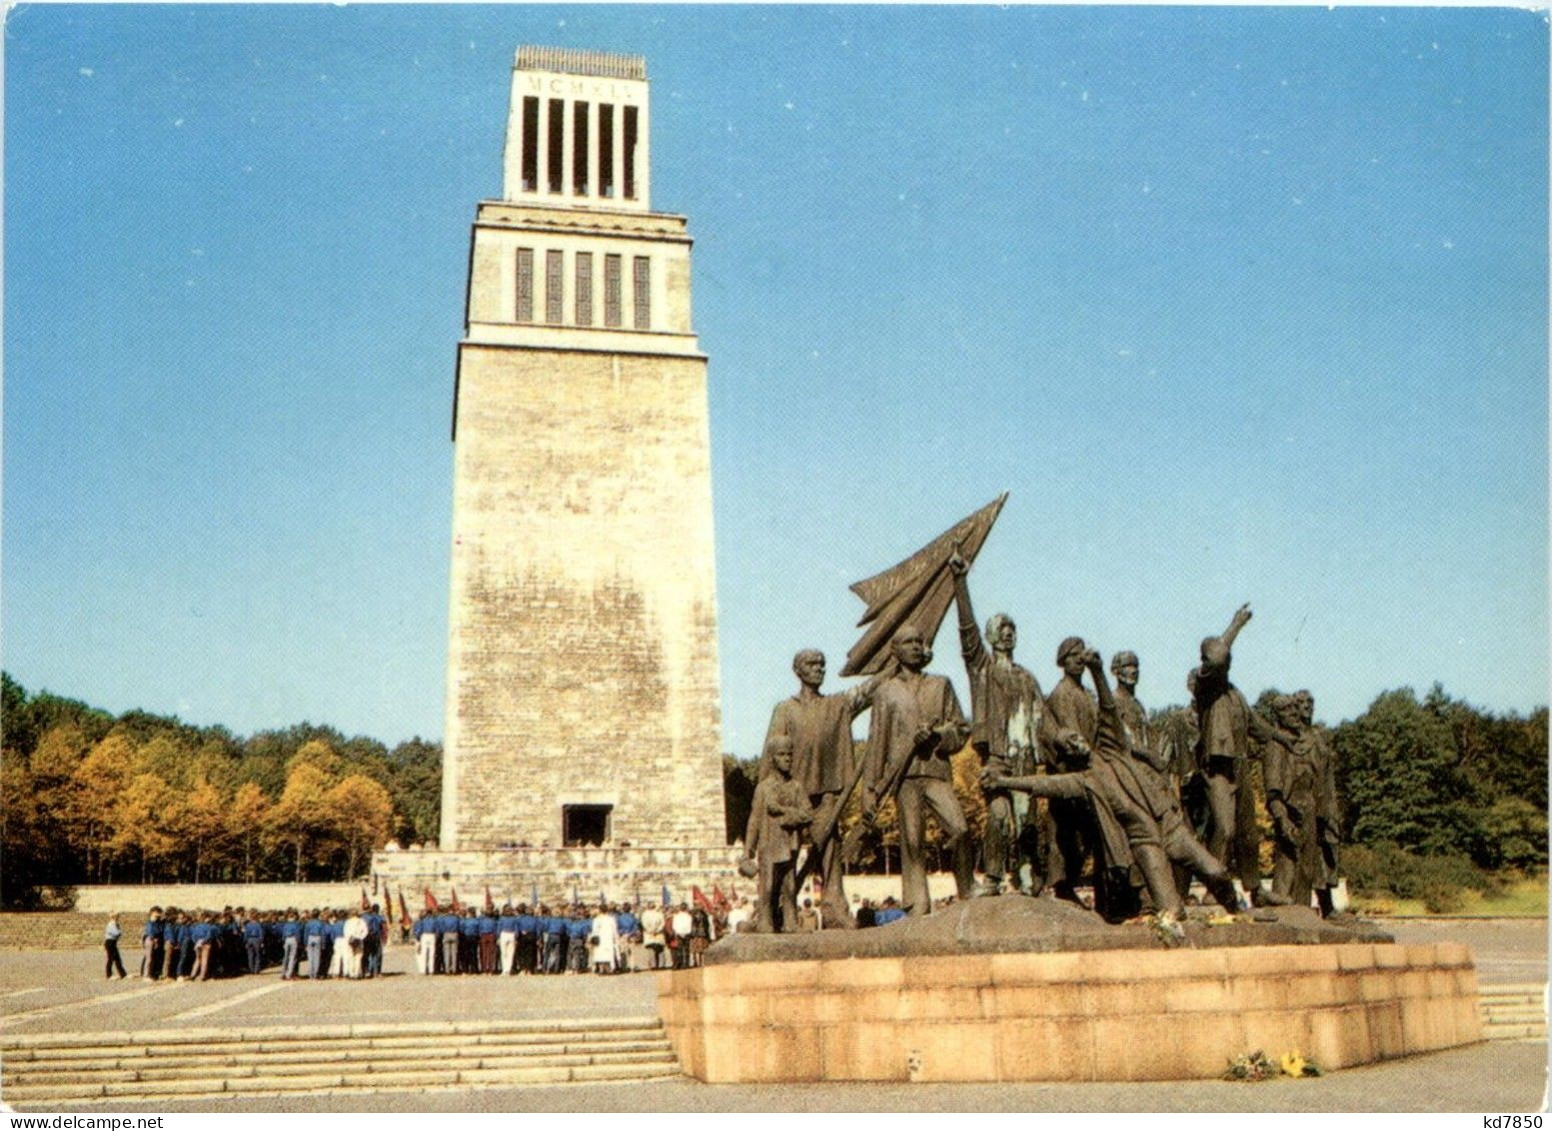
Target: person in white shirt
x,y
355,943
742,913
652,926
604,943
683,926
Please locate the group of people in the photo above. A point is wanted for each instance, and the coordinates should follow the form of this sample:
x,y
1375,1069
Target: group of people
x,y
199,945
602,938
1134,810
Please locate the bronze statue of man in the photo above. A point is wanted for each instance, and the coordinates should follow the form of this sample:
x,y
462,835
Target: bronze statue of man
x,y
915,727
1328,816
1071,834
1007,712
777,817
1291,773
1139,820
1224,723
823,763
1126,669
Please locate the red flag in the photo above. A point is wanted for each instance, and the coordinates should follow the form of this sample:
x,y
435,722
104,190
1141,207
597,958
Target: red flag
x,y
700,899
431,903
489,905
404,910
366,903
722,900
458,907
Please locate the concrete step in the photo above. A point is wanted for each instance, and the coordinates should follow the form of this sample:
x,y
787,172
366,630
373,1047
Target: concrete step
x,y
71,1068
218,1068
1513,1012
136,1060
153,1090
441,1029
442,1042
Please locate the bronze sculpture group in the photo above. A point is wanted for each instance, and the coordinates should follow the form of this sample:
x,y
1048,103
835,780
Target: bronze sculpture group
x,y
1111,782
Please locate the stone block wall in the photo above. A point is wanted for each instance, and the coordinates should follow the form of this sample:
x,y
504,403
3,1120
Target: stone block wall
x,y
1075,1016
621,874
582,659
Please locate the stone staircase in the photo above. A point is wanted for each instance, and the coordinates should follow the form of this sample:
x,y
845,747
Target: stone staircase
x,y
61,1070
1514,1013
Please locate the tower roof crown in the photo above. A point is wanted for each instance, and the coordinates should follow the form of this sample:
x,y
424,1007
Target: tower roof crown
x,y
574,61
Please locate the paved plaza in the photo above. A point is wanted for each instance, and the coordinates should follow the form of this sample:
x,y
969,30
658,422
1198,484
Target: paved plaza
x,y
63,991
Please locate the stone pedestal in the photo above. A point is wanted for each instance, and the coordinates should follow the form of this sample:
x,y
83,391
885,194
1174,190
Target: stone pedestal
x,y
1138,1012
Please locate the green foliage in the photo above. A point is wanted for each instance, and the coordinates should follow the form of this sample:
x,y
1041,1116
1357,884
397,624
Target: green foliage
x,y
1400,776
1440,882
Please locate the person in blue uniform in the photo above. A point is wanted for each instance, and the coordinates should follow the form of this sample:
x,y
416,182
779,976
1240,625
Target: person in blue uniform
x,y
253,941
185,941
447,932
151,945
469,942
578,926
372,945
527,939
554,942
506,940
291,932
312,935
630,936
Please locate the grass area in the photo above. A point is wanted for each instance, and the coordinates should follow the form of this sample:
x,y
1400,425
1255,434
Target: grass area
x,y
1523,899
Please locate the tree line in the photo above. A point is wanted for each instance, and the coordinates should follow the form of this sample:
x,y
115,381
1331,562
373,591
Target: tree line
x,y
90,797
1434,791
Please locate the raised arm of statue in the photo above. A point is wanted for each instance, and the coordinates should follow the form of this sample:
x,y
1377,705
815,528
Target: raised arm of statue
x,y
1102,692
861,696
1240,619
970,643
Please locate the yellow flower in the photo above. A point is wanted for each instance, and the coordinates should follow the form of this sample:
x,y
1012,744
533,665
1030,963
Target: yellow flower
x,y
1293,1064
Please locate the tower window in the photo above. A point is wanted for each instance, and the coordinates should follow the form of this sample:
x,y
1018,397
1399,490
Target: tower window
x,y
524,312
630,153
605,149
554,286
612,290
579,148
557,146
584,825
641,291
584,288
530,144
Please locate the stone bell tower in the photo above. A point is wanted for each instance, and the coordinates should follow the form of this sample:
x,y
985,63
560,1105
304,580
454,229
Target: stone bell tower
x,y
582,682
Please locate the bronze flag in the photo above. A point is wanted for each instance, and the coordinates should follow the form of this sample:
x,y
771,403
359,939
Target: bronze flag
x,y
917,591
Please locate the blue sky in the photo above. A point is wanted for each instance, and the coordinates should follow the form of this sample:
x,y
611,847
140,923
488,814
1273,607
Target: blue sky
x,y
1237,304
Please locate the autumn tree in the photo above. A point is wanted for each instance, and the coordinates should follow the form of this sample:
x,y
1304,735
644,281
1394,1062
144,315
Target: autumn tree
x,y
362,813
245,824
302,820
143,817
202,826
88,803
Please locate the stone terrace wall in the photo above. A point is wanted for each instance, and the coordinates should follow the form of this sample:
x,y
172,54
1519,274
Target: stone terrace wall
x,y
1096,1015
620,873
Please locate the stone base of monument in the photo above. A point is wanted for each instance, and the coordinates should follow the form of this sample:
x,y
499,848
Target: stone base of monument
x,y
1018,989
